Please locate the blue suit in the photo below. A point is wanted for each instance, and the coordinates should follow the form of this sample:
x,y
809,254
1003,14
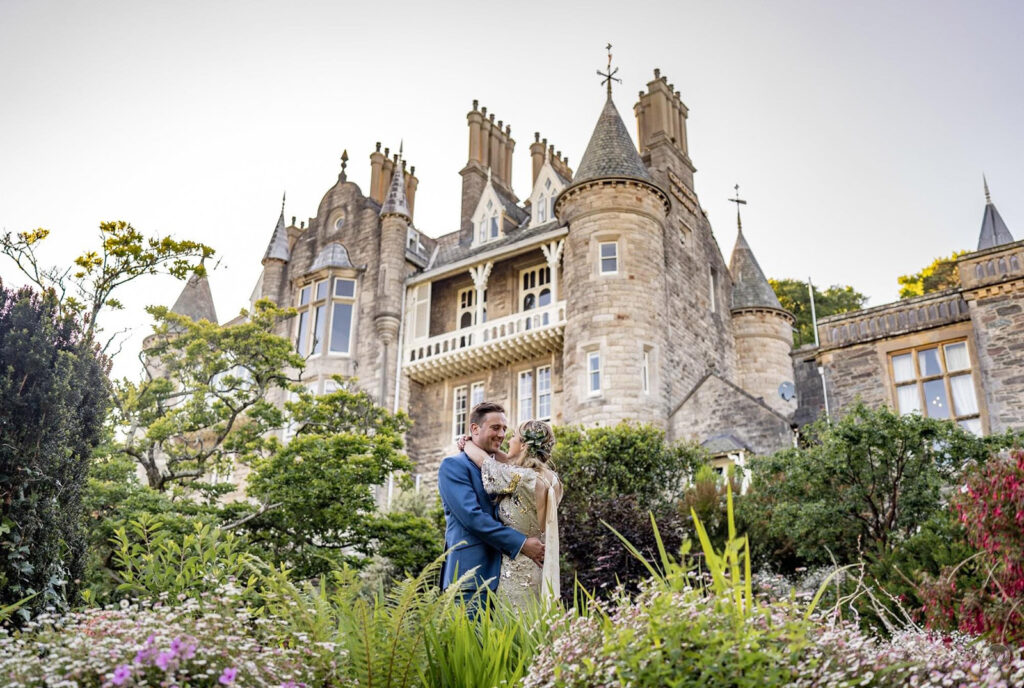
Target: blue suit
x,y
469,518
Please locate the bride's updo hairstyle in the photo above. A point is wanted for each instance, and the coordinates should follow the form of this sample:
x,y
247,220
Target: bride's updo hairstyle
x,y
538,440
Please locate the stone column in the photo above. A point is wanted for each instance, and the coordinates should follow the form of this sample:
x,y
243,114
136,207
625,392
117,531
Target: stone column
x,y
553,254
480,275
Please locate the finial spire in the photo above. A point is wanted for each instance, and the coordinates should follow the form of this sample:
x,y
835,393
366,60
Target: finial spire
x,y
609,74
343,176
738,201
284,194
988,196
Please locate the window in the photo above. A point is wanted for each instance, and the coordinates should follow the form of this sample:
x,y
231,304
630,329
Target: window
x,y
459,411
936,381
534,399
489,225
593,373
536,287
412,241
544,393
713,290
302,338
421,311
645,372
466,317
609,257
476,395
331,313
542,210
494,226
525,395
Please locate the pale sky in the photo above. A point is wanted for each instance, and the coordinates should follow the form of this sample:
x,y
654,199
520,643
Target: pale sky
x,y
858,131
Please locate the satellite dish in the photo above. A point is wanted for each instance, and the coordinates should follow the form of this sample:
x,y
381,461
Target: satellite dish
x,y
787,391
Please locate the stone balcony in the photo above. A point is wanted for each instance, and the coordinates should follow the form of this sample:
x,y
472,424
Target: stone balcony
x,y
494,343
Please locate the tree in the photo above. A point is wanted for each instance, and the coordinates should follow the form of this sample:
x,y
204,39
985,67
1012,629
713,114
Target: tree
x,y
795,298
87,286
941,274
204,397
866,481
316,494
54,391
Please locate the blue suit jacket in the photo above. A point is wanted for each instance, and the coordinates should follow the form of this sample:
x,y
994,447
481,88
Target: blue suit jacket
x,y
469,518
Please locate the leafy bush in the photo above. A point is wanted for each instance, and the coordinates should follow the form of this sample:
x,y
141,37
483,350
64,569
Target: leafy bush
x,y
54,392
991,509
862,483
617,475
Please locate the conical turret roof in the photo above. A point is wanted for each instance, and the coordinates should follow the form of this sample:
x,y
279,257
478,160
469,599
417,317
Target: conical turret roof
x,y
278,246
395,202
750,288
611,152
993,230
196,300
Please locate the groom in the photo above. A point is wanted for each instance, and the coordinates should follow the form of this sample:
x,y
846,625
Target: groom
x,y
475,537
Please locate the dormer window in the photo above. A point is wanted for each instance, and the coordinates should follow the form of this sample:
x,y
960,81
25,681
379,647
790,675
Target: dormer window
x,y
545,191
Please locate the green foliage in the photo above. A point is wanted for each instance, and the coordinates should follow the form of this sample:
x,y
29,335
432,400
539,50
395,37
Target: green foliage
x,y
617,474
627,459
940,275
151,560
795,298
204,398
124,254
54,392
863,483
707,497
317,505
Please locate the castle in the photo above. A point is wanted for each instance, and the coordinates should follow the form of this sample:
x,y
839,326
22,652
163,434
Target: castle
x,y
602,296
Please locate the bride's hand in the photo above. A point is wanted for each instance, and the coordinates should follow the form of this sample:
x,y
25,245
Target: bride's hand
x,y
475,453
460,442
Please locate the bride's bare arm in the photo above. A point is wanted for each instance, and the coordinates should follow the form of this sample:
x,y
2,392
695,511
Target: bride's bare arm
x,y
475,453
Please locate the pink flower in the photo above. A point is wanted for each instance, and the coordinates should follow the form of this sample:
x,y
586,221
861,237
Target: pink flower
x,y
228,675
121,674
163,659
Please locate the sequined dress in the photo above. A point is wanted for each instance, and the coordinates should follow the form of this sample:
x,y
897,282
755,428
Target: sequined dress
x,y
522,581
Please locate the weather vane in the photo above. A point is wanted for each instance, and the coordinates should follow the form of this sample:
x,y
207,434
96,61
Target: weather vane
x,y
738,201
609,74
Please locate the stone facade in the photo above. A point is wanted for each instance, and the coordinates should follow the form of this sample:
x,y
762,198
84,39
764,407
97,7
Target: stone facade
x,y
605,297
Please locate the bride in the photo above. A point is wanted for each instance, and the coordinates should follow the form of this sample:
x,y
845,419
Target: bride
x,y
529,492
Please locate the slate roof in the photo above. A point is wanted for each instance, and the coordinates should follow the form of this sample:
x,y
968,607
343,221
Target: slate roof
x,y
196,300
450,251
993,230
750,288
395,202
611,152
278,246
724,443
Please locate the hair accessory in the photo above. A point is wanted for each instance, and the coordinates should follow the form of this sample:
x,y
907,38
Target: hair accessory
x,y
537,442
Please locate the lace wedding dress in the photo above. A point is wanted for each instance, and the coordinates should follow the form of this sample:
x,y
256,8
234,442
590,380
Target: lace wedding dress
x,y
522,582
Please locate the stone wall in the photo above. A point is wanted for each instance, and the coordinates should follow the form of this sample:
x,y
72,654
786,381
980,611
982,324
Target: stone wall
x,y
718,407
855,372
764,340
999,327
617,315
809,394
432,405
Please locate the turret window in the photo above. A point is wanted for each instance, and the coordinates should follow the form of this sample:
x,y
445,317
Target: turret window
x,y
593,373
609,257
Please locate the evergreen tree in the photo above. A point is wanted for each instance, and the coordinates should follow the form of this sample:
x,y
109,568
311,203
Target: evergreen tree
x,y
54,390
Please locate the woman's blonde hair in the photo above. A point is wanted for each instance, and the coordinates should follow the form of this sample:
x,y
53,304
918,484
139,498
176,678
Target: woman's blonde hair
x,y
537,440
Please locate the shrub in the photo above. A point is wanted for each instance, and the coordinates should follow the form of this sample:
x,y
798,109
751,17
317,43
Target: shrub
x,y
54,392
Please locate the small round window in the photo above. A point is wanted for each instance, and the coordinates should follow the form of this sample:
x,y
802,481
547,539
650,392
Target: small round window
x,y
340,222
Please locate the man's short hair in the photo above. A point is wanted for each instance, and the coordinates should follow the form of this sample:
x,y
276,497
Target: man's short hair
x,y
481,410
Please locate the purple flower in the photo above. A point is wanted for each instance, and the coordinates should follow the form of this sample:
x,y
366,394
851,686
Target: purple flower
x,y
189,652
163,659
228,675
121,674
176,645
